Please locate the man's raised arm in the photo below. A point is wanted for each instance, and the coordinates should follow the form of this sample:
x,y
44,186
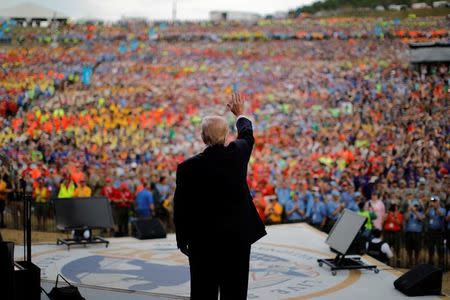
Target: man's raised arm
x,y
244,126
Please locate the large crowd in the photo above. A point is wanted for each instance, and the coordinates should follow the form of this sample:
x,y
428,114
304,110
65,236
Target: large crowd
x,y
341,119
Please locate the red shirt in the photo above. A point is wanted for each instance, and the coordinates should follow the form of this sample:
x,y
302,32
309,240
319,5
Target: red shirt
x,y
108,191
122,197
390,224
261,207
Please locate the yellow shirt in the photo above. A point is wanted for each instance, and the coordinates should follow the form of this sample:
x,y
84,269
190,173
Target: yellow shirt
x,y
41,195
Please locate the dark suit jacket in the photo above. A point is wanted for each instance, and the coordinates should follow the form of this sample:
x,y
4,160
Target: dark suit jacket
x,y
212,200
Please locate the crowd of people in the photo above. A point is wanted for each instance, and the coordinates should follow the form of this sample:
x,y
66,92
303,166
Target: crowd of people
x,y
342,120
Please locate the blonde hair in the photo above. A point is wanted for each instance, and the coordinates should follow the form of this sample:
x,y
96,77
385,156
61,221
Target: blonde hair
x,y
214,130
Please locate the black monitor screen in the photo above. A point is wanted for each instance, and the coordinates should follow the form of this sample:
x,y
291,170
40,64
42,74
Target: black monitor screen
x,y
74,213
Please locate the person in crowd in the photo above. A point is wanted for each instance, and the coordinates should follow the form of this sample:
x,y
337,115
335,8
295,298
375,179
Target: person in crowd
x,y
295,209
365,210
108,189
41,203
163,188
447,232
306,196
406,197
260,204
82,190
3,198
283,192
274,211
161,211
393,229
15,202
53,183
378,248
358,198
334,210
348,197
353,203
415,218
318,213
144,204
95,182
122,200
378,207
435,215
423,190
67,188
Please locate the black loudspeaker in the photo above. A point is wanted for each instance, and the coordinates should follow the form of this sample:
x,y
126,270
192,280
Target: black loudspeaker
x,y
68,292
421,280
7,270
148,228
27,281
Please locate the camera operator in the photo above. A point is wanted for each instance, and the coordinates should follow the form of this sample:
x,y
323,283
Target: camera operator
x,y
436,221
414,227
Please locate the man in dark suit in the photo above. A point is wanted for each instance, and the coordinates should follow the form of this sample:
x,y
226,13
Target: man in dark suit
x,y
215,218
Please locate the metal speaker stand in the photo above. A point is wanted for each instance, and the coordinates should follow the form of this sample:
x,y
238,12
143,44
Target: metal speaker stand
x,y
340,262
80,240
340,239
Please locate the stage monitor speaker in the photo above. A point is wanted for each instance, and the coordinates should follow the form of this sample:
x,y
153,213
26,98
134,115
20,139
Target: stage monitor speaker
x,y
421,280
75,213
148,228
344,231
7,270
27,281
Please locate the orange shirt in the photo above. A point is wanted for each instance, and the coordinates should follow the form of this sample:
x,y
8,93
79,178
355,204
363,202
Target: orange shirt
x,y
274,212
83,192
2,190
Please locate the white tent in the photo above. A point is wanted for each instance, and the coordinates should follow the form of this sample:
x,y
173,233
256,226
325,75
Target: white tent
x,y
30,11
422,53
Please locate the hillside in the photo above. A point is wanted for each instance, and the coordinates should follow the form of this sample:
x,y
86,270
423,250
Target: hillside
x,y
333,5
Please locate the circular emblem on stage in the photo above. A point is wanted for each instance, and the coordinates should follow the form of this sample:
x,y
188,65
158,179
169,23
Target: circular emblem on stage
x,y
276,271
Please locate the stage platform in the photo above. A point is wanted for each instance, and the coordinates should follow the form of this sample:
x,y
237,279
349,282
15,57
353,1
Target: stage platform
x,y
283,266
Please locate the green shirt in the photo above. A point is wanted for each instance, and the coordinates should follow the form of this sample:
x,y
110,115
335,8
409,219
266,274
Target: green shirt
x,y
370,216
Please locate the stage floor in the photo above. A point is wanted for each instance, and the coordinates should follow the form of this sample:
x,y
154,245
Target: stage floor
x,y
283,266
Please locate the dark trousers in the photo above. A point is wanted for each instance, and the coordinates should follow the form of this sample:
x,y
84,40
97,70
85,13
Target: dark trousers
x,y
329,225
2,210
394,239
219,268
435,242
121,219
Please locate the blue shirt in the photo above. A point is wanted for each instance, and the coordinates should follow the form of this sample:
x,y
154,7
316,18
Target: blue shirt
x,y
413,224
347,198
317,213
308,199
331,207
352,206
164,190
283,194
436,222
143,200
295,215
